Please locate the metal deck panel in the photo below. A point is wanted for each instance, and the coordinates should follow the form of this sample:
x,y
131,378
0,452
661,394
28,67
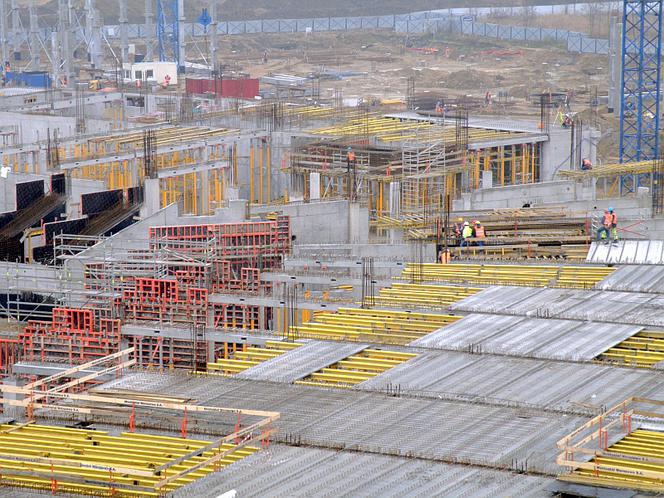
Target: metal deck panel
x,y
471,329
283,471
300,362
494,299
627,252
428,428
641,253
585,341
527,336
419,373
655,249
533,337
635,278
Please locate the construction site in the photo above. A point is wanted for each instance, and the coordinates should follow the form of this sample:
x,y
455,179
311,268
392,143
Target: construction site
x,y
330,249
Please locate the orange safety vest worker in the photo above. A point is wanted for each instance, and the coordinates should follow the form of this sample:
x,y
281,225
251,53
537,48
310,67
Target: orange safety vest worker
x,y
351,156
479,232
610,219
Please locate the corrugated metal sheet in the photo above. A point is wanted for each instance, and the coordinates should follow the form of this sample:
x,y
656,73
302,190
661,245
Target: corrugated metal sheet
x,y
283,471
600,306
300,362
627,252
373,422
635,278
534,337
503,380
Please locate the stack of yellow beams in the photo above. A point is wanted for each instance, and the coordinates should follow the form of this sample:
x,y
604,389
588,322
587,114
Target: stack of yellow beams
x,y
422,296
89,454
242,360
641,350
529,275
378,326
389,129
637,448
357,368
611,170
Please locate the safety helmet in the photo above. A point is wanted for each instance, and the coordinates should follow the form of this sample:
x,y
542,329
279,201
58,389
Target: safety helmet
x,y
350,148
610,210
477,222
465,223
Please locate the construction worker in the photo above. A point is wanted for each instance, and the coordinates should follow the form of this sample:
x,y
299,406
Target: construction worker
x,y
466,234
350,157
586,165
479,233
458,228
609,223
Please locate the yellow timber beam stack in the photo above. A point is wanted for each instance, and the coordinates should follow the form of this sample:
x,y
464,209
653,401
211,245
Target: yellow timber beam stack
x,y
371,325
422,296
627,464
82,461
252,356
643,349
582,277
356,369
611,170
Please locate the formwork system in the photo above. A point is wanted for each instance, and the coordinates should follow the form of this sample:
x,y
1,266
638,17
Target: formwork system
x,y
194,165
643,349
169,283
621,448
584,277
371,325
230,362
93,462
357,368
407,166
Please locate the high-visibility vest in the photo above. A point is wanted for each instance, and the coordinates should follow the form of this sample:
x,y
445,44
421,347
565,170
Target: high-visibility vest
x,y
610,219
467,232
351,155
479,232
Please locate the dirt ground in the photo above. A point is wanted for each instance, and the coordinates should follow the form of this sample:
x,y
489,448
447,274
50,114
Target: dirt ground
x,y
383,61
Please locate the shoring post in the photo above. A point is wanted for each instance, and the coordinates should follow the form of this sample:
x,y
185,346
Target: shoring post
x,y
54,482
132,418
183,426
238,426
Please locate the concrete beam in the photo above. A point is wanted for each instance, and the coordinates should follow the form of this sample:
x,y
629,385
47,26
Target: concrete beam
x,y
184,333
271,302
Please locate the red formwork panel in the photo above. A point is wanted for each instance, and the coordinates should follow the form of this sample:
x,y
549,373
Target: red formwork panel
x,y
73,319
11,351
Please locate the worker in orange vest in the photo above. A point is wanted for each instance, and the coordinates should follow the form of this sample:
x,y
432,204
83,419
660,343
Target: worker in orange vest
x,y
350,157
609,223
480,234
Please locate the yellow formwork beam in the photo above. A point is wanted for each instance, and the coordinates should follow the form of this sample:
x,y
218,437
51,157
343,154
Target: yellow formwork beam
x,y
643,452
95,463
644,349
252,356
356,368
529,275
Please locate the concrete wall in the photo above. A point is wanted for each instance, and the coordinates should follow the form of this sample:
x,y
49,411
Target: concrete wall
x,y
328,222
578,198
76,188
8,189
33,127
556,152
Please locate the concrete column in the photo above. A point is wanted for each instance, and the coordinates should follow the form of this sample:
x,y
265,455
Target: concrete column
x,y
151,197
181,36
3,32
16,412
149,34
204,198
35,45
